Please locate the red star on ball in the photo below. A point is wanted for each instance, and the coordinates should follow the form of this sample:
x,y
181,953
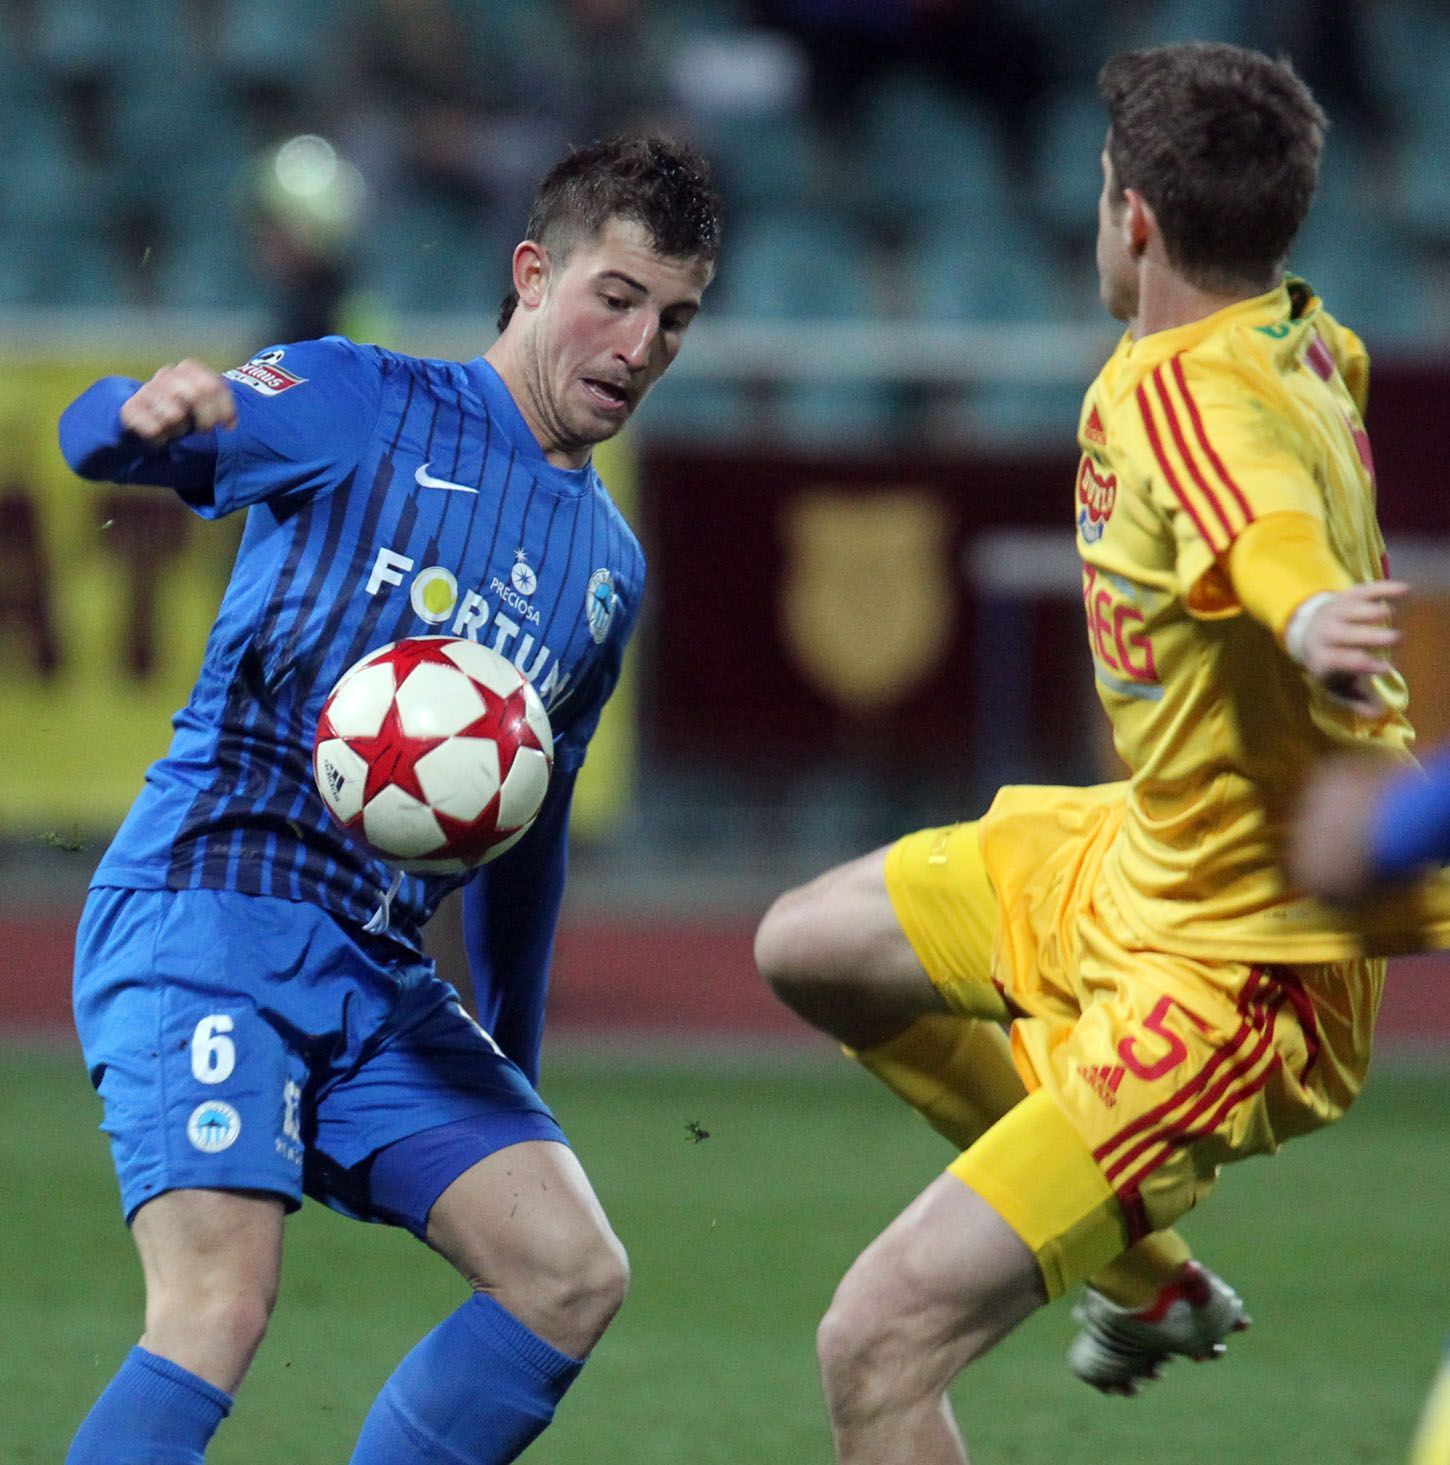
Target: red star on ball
x,y
391,757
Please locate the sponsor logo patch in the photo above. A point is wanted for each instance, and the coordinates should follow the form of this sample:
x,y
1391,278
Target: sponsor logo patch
x,y
1096,495
265,375
1093,432
522,576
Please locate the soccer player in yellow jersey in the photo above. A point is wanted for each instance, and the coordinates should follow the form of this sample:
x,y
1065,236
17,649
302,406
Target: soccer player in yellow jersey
x,y
1102,995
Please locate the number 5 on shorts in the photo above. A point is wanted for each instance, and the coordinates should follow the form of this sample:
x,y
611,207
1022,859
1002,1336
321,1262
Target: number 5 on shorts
x,y
1155,1023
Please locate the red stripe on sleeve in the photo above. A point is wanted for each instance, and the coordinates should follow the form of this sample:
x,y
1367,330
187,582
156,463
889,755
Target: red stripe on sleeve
x,y
1187,453
1213,457
1319,358
1151,429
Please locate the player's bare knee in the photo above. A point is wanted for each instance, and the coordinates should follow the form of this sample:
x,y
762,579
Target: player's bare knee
x,y
866,1358
572,1298
784,953
598,1286
226,1311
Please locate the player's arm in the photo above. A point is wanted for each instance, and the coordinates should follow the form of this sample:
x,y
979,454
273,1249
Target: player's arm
x,y
1362,824
1284,573
163,431
510,911
289,424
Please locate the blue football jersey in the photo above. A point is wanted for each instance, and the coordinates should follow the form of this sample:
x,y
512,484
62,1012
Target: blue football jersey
x,y
387,496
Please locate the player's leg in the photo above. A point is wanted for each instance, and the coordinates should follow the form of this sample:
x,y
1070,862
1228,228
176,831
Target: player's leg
x,y
524,1229
495,1190
892,953
833,951
1022,1216
940,1286
212,1260
194,1084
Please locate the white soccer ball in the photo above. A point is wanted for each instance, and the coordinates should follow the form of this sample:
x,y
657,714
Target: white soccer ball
x,y
435,751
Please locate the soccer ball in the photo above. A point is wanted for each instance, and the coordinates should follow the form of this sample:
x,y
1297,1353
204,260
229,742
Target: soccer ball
x,y
436,751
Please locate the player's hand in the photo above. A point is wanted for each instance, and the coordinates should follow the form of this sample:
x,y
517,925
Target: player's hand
x,y
186,397
1344,643
1329,843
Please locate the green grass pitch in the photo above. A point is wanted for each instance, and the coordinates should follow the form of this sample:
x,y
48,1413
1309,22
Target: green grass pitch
x,y
737,1239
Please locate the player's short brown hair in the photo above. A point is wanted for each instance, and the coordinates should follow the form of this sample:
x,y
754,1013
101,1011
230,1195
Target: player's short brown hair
x,y
1224,144
663,185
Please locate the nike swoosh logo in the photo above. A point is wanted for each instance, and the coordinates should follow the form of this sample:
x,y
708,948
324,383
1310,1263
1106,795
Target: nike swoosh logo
x,y
424,479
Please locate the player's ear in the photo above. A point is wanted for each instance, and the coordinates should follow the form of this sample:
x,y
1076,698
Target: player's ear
x,y
1140,223
531,272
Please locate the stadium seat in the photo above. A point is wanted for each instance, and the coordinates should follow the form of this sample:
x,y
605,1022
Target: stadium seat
x,y
1237,21
997,271
1424,198
432,257
78,266
24,266
794,264
207,266
764,160
43,183
1407,53
274,42
75,37
1067,175
177,140
1348,173
925,150
1370,277
799,266
1005,275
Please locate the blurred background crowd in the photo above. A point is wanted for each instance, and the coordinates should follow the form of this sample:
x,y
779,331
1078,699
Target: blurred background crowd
x,y
932,162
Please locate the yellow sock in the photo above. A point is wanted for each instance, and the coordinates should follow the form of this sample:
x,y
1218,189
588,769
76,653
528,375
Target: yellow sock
x,y
1134,1278
958,1074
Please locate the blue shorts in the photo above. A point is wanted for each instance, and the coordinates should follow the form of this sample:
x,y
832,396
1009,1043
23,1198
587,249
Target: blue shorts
x,y
241,1042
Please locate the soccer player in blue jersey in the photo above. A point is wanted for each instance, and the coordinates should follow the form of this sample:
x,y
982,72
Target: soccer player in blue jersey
x,y
251,991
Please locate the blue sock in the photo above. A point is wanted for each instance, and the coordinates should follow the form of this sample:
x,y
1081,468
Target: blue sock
x,y
475,1391
154,1412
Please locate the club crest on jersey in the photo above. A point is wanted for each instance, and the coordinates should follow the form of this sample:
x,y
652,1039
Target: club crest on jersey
x,y
599,603
265,374
213,1127
1096,495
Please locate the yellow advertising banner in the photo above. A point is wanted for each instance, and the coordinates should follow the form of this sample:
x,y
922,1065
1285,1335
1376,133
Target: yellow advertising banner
x,y
106,597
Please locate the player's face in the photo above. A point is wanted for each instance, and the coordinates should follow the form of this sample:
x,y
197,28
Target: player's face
x,y
612,317
1117,271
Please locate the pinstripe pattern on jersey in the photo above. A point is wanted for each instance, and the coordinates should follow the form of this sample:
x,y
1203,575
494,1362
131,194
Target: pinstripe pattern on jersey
x,y
259,826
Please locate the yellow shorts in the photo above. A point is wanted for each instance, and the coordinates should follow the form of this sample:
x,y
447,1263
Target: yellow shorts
x,y
1162,1066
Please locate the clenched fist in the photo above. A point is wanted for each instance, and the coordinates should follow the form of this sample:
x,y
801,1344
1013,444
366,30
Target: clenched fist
x,y
186,397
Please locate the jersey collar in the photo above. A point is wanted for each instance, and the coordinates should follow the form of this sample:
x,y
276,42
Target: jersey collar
x,y
1258,310
505,412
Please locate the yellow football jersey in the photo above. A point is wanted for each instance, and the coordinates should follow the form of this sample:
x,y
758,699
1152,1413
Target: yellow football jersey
x,y
1189,435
